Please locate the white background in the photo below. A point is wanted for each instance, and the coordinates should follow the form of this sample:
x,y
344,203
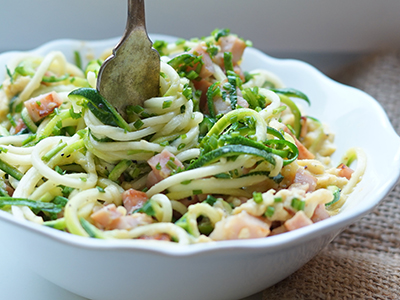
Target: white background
x,y
324,32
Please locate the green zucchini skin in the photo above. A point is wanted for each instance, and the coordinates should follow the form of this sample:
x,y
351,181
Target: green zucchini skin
x,y
100,107
229,151
336,194
28,121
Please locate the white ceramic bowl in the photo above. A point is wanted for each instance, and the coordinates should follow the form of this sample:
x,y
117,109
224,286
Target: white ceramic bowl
x,y
99,269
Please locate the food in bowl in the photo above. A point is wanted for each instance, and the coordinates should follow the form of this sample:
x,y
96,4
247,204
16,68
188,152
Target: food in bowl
x,y
221,154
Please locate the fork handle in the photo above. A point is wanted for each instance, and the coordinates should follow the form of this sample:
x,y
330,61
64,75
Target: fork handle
x,y
136,16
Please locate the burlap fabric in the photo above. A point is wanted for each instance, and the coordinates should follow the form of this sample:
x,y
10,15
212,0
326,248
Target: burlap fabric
x,y
363,262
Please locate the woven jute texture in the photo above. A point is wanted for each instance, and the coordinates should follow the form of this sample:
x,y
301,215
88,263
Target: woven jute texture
x,y
363,262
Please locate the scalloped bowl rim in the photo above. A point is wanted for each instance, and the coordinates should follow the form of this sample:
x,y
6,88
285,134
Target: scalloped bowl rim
x,y
273,243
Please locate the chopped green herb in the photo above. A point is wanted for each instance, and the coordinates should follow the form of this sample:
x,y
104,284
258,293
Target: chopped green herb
x,y
91,230
228,64
74,115
166,104
53,152
137,109
254,98
213,91
218,33
121,167
160,45
134,173
147,208
180,41
138,124
10,75
10,170
52,79
171,165
187,63
59,200
212,50
29,139
100,189
66,190
187,92
210,200
11,119
257,197
298,204
78,59
59,170
270,211
248,76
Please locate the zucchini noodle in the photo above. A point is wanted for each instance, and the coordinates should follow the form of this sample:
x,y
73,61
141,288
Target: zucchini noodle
x,y
219,154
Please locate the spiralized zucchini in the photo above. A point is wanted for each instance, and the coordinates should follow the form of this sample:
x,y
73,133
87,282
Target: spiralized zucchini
x,y
219,154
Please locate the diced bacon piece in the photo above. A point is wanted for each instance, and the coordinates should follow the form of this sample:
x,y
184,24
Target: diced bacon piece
x,y
278,230
304,177
43,105
109,218
203,86
163,164
299,220
152,179
231,44
7,188
304,127
131,221
240,226
133,199
221,106
208,68
345,171
240,99
304,153
20,126
106,217
238,70
158,237
320,213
